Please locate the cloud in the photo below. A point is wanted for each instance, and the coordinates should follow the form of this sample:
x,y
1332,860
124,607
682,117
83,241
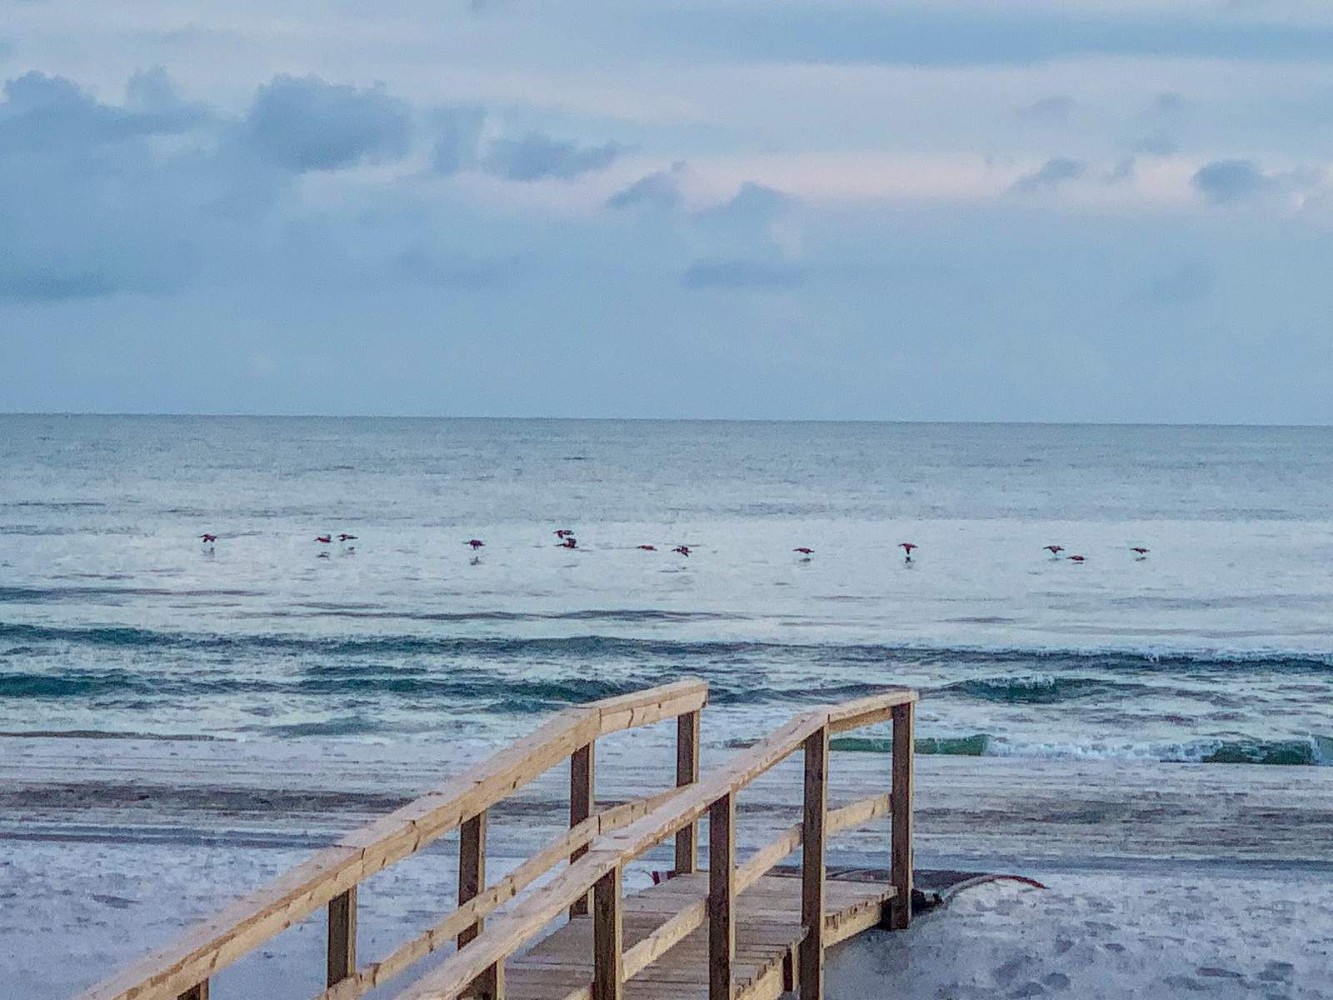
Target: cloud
x,y
748,240
305,123
1121,173
536,157
660,189
750,213
1189,282
1168,106
1157,143
740,273
43,112
87,208
459,138
1055,110
109,269
1052,174
1224,181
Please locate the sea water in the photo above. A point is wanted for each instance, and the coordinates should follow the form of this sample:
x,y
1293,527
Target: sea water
x,y
116,620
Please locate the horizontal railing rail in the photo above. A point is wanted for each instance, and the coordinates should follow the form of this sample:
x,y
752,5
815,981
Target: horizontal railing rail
x,y
330,878
600,870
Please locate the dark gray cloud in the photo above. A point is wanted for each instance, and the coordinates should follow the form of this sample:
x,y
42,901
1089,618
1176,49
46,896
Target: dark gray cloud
x,y
749,213
1189,282
86,207
741,273
116,266
741,248
1054,110
459,137
1162,118
153,90
1121,173
43,112
660,189
1052,174
1159,143
757,201
1225,181
1168,106
305,123
536,157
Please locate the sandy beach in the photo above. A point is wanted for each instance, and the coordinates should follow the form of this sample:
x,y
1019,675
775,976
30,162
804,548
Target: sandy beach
x,y
1169,879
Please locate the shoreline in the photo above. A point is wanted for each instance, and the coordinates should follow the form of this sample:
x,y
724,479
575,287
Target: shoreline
x,y
1041,808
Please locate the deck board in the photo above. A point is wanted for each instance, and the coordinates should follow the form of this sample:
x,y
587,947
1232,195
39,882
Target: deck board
x,y
768,930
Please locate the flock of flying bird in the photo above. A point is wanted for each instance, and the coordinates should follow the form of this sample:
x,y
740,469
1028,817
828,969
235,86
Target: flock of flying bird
x,y
566,540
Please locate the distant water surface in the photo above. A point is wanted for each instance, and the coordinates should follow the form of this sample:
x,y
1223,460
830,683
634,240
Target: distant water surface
x,y
116,620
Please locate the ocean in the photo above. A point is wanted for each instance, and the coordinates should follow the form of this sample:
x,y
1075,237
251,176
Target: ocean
x,y
116,621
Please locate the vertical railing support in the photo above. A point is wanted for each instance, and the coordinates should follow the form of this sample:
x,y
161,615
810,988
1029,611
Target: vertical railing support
x,y
471,880
687,773
900,803
342,937
608,966
582,801
199,991
815,806
721,896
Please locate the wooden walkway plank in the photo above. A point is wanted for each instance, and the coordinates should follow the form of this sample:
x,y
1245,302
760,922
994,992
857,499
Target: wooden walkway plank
x,y
767,934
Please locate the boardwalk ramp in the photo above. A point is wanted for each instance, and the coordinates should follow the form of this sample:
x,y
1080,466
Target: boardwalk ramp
x,y
741,928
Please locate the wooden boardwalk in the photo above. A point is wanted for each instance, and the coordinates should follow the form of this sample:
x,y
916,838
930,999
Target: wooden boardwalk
x,y
768,935
743,929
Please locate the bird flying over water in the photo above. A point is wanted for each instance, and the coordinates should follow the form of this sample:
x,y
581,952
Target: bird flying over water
x,y
563,533
345,537
208,539
1054,550
647,548
683,550
1076,559
324,539
568,542
803,550
476,543
907,548
1138,550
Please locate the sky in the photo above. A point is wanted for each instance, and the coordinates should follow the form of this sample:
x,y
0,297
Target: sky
x,y
1053,210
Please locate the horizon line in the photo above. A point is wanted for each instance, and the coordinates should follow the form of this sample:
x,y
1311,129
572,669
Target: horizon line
x,y
663,420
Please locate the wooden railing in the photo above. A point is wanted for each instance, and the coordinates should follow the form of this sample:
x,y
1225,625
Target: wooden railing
x,y
600,869
329,879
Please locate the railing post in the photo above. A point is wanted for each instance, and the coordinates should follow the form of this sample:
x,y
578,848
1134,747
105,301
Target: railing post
x,y
342,937
608,966
721,896
197,992
900,803
687,773
582,801
812,865
471,880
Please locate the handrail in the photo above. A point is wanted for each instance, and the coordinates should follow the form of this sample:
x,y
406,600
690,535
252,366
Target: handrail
x,y
599,870
331,876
